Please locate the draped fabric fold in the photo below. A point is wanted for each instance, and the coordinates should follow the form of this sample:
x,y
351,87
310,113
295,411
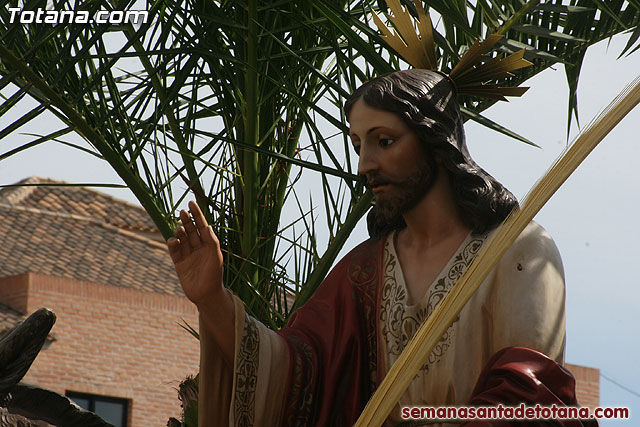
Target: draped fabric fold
x,y
516,375
332,345
319,370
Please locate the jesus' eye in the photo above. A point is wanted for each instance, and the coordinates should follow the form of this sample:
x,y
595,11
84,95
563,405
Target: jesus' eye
x,y
356,148
386,141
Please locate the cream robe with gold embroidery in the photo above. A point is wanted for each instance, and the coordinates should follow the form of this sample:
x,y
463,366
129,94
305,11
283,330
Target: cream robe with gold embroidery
x,y
520,303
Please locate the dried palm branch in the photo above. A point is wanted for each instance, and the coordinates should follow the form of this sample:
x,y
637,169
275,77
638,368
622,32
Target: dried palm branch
x,y
471,76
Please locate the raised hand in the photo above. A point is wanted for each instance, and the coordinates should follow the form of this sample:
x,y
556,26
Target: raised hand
x,y
195,251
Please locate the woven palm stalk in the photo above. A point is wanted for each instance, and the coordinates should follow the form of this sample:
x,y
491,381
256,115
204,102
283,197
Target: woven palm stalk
x,y
414,355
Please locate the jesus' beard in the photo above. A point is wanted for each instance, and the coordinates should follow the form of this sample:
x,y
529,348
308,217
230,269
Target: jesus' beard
x,y
407,193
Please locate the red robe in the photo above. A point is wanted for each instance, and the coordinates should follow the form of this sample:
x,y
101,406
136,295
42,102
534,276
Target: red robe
x,y
333,351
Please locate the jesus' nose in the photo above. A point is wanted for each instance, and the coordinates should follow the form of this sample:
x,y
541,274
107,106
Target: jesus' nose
x,y
367,162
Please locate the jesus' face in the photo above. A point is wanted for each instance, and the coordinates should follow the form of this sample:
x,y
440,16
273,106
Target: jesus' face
x,y
392,162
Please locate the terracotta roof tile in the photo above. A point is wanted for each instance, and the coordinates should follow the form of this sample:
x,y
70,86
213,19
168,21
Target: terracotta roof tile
x,y
79,201
43,232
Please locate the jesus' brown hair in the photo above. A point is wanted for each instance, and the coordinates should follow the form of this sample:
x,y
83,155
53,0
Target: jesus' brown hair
x,y
426,101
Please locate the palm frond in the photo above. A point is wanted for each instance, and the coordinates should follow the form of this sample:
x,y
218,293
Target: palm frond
x,y
235,101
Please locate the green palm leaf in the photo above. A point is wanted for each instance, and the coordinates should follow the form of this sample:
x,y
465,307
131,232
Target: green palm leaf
x,y
233,103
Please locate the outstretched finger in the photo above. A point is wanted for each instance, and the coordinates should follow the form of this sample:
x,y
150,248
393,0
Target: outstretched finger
x,y
173,244
192,233
185,247
206,232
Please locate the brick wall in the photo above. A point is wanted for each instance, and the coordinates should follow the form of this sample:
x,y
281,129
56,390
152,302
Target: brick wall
x,y
14,291
111,341
587,385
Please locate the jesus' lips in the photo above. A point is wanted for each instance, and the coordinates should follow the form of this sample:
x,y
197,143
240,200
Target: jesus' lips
x,y
379,187
377,183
